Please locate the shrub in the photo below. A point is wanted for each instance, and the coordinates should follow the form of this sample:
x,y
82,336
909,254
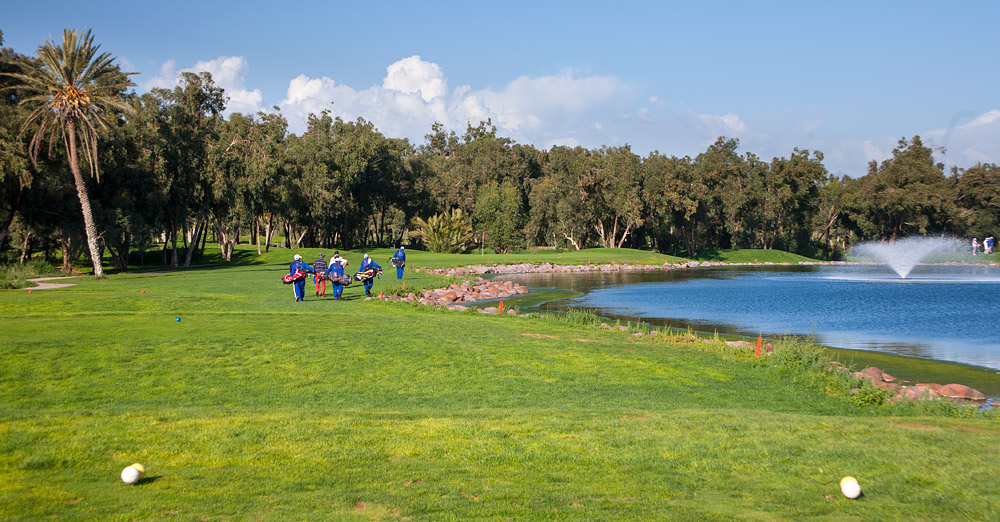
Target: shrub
x,y
16,276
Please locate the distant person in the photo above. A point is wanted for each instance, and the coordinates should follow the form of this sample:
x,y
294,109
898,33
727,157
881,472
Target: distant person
x,y
988,245
975,246
399,261
337,258
366,265
319,278
299,286
335,273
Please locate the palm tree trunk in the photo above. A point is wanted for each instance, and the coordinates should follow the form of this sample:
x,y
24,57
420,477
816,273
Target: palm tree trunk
x,y
81,192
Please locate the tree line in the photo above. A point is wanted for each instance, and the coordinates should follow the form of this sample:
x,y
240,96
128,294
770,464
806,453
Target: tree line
x,y
168,172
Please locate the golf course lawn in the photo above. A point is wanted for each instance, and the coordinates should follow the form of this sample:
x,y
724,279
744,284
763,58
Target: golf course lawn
x,y
254,407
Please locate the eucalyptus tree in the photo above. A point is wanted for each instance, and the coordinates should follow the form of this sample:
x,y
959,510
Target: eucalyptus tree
x,y
615,194
500,214
74,90
904,195
246,161
978,199
673,201
479,159
785,197
186,124
560,200
15,166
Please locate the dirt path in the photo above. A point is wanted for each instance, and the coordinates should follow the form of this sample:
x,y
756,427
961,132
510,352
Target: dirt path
x,y
42,285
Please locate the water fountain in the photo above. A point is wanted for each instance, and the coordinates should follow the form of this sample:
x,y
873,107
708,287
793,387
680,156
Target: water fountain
x,y
904,254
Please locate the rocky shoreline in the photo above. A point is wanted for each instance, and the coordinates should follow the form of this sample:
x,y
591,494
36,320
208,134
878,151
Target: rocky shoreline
x,y
918,391
453,297
547,268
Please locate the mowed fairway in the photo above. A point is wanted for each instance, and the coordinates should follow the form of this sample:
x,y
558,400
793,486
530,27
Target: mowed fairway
x,y
254,407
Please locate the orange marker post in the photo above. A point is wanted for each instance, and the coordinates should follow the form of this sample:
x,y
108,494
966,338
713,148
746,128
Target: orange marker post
x,y
404,285
501,307
380,296
759,340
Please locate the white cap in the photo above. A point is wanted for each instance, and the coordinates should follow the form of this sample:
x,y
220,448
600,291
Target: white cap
x,y
366,256
297,257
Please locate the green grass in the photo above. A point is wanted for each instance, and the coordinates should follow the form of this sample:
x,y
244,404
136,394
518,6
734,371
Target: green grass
x,y
254,407
750,255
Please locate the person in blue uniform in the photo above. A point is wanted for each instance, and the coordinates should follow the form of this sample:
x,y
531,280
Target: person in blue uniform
x,y
336,269
365,265
299,287
401,256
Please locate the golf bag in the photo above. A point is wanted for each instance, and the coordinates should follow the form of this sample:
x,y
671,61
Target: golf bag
x,y
367,274
291,278
398,262
342,280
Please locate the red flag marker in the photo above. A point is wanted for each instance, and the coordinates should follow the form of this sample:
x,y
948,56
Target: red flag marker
x,y
759,340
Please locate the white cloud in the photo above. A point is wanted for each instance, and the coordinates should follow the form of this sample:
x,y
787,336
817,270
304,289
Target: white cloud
x,y
655,100
228,72
414,95
711,126
874,152
166,78
412,74
643,115
965,145
562,142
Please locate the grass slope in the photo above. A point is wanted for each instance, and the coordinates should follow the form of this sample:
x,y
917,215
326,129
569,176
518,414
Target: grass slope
x,y
254,407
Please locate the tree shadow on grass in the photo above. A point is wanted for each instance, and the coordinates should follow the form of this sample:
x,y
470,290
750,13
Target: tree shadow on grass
x,y
709,254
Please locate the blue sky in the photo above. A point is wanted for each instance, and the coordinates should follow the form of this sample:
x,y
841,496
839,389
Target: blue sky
x,y
846,78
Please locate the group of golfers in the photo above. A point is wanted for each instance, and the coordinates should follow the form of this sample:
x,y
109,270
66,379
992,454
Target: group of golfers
x,y
334,273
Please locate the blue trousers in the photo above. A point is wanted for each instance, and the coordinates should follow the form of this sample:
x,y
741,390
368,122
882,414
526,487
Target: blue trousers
x,y
369,283
399,273
299,287
338,290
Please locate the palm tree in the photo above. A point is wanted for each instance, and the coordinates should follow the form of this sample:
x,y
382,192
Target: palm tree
x,y
75,90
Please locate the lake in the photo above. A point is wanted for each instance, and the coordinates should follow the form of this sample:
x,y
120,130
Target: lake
x,y
946,313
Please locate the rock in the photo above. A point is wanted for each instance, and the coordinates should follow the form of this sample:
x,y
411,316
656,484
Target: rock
x,y
960,391
929,390
605,326
637,334
623,328
890,386
739,344
458,308
872,373
888,378
488,310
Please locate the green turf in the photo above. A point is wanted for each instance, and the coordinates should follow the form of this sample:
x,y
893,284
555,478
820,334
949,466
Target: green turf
x,y
254,407
750,255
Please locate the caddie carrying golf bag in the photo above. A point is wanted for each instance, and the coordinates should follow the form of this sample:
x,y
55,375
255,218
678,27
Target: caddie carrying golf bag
x,y
291,278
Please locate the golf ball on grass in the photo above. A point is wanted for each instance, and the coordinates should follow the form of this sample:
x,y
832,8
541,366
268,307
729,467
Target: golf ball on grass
x,y
134,473
850,488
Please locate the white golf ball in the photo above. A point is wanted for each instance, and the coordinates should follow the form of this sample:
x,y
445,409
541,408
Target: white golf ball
x,y
131,475
850,488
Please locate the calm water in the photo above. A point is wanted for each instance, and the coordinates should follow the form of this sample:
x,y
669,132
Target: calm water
x,y
945,313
